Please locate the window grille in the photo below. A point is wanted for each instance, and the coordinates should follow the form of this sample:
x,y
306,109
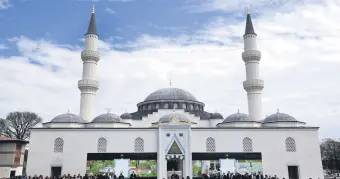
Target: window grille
x,y
101,146
58,145
210,145
290,145
139,145
247,145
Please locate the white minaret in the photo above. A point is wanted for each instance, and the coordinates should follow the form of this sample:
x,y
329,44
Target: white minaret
x,y
253,84
88,85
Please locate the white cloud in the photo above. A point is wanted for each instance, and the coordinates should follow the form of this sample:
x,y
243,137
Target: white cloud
x,y
108,10
4,4
235,6
300,67
3,47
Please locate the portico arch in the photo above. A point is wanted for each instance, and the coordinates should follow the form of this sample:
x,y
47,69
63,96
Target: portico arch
x,y
57,162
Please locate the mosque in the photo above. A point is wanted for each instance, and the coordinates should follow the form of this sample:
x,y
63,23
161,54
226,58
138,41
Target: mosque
x,y
172,133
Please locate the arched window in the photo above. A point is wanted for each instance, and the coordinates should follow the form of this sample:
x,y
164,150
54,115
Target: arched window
x,y
191,107
166,105
58,145
157,106
210,145
175,106
247,145
139,145
101,146
149,107
290,145
184,106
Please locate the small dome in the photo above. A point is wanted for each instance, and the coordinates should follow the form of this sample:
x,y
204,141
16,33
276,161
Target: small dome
x,y
126,116
174,117
216,116
107,118
170,94
68,118
239,117
279,117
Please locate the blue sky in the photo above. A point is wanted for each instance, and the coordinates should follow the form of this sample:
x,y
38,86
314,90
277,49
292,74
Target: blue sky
x,y
65,21
196,43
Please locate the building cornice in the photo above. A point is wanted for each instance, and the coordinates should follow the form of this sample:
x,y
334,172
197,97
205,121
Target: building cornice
x,y
192,128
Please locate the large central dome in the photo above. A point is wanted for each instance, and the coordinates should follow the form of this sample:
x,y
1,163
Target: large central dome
x,y
170,94
169,98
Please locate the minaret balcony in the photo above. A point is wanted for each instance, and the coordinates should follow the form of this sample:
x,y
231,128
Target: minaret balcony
x,y
88,84
251,55
253,84
90,55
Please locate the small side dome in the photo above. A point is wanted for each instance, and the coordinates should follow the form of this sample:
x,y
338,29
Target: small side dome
x,y
68,118
239,117
107,118
126,116
279,117
174,118
216,116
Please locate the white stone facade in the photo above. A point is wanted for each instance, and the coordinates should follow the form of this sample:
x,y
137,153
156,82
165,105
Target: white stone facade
x,y
173,115
269,141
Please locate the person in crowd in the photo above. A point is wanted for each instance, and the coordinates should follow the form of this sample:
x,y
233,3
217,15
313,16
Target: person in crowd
x,y
259,176
224,176
174,176
204,176
133,175
121,176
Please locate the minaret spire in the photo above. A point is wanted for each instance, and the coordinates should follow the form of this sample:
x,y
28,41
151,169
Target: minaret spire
x,y
92,26
88,85
249,24
253,84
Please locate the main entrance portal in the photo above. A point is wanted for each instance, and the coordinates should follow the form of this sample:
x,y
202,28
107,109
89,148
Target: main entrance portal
x,y
174,157
174,152
173,165
174,168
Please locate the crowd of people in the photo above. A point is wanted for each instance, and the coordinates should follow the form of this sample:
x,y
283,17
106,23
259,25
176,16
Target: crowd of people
x,y
134,176
99,176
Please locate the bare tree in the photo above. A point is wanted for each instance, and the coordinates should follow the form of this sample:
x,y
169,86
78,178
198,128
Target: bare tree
x,y
17,124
